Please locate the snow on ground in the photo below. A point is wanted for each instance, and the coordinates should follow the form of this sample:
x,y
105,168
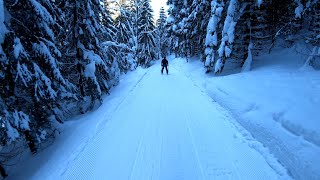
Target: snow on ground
x,y
276,102
154,126
76,134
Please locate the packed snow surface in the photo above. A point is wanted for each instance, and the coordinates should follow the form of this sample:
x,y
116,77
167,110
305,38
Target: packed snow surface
x,y
277,102
154,126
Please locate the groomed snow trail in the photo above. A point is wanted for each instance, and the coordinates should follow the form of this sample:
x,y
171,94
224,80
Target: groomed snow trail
x,y
168,129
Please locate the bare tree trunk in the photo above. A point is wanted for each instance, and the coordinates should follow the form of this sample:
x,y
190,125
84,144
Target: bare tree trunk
x,y
3,172
31,142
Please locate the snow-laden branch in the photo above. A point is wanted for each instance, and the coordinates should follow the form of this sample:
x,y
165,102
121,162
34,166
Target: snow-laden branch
x,y
212,34
225,48
148,32
299,12
117,45
308,64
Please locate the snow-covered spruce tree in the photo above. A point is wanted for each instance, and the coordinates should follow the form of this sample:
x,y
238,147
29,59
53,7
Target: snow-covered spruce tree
x,y
108,22
187,25
35,83
109,31
291,17
315,23
281,17
285,19
96,70
110,47
313,38
124,24
146,34
129,11
162,40
296,9
199,19
260,33
182,30
169,32
211,42
7,132
125,35
242,33
225,47
252,27
172,25
246,26
4,110
15,92
173,21
183,27
133,8
257,33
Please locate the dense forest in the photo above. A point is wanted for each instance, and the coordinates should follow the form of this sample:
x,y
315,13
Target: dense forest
x,y
58,58
227,32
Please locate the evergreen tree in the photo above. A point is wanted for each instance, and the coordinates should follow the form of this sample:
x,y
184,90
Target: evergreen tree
x,y
146,34
42,43
198,21
4,110
245,26
126,37
225,39
187,26
182,30
162,40
242,33
211,42
315,23
97,70
173,28
34,80
251,31
313,37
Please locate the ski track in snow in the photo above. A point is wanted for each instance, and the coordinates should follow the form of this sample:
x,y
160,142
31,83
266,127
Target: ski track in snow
x,y
168,128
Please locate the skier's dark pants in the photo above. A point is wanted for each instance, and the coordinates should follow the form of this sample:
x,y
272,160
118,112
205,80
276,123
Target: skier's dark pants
x,y
163,68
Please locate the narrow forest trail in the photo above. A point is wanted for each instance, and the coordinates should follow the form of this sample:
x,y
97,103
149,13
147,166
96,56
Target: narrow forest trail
x,y
168,129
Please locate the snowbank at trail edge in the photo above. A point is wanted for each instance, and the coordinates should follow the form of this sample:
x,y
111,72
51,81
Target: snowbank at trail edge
x,y
76,134
276,102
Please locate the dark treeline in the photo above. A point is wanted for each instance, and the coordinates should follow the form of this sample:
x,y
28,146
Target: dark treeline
x,y
221,31
57,59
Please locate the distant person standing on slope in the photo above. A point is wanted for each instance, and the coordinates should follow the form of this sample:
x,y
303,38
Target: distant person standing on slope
x,y
164,64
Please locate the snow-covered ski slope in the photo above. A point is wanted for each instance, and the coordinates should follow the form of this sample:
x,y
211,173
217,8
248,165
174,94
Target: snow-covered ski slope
x,y
277,102
154,126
